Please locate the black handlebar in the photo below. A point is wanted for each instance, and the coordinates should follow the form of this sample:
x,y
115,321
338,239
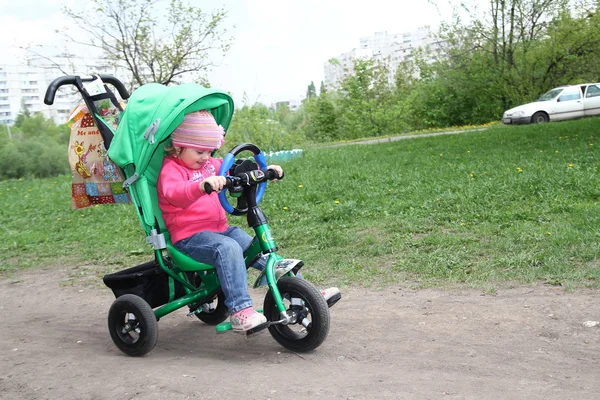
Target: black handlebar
x,y
250,178
76,80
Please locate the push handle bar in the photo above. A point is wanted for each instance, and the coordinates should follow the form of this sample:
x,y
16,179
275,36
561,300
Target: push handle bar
x,y
250,178
74,80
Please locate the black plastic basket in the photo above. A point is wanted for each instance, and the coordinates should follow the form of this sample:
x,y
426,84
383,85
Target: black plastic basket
x,y
147,281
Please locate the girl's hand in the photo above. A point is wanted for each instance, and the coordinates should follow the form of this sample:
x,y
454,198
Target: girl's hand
x,y
216,182
277,169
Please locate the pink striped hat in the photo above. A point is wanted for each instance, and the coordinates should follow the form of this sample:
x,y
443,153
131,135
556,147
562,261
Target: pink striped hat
x,y
200,131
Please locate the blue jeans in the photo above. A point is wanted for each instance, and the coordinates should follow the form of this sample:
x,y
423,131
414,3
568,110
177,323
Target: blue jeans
x,y
224,251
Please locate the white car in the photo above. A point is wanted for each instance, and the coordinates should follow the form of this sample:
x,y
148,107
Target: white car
x,y
561,103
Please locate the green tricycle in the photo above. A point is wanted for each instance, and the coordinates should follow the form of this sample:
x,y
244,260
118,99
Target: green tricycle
x,y
297,314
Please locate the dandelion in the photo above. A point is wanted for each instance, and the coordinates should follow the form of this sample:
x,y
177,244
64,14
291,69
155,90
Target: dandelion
x,y
285,208
26,196
519,170
548,233
69,220
441,155
58,219
300,186
20,179
541,151
570,165
82,215
462,224
591,144
556,151
337,202
468,151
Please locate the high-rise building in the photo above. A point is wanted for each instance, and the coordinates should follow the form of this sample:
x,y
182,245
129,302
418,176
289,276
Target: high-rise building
x,y
390,49
23,86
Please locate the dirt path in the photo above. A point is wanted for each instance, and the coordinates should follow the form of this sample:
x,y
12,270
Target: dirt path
x,y
396,138
523,343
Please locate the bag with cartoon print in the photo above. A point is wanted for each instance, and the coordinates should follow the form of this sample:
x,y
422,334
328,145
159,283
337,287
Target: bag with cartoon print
x,y
95,178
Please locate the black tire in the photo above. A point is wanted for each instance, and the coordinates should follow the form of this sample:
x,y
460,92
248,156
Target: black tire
x,y
539,118
132,325
314,309
217,315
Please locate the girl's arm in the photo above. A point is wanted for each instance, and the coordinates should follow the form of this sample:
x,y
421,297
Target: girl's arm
x,y
176,188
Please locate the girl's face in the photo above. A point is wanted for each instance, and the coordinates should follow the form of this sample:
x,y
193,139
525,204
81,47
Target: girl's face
x,y
192,158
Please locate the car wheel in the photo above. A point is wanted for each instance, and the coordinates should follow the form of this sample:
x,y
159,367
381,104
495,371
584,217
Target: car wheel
x,y
539,118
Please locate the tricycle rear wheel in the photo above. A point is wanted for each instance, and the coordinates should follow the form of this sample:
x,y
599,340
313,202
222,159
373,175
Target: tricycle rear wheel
x,y
132,325
310,323
211,314
216,314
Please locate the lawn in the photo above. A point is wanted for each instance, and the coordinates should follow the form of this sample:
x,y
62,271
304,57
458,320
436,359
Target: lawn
x,y
508,205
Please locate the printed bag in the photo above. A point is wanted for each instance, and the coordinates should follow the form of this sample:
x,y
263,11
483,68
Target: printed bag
x,y
96,179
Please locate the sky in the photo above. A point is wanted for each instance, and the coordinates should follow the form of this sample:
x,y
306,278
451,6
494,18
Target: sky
x,y
279,47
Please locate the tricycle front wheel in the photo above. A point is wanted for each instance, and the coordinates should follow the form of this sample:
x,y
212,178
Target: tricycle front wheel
x,y
309,314
132,325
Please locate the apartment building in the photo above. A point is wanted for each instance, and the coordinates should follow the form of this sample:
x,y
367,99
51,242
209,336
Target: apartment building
x,y
383,46
24,87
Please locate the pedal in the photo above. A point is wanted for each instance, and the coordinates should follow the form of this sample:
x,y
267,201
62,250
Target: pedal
x,y
223,327
257,329
333,299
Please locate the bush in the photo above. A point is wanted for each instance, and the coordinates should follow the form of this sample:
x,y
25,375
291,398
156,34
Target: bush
x,y
258,125
12,163
32,158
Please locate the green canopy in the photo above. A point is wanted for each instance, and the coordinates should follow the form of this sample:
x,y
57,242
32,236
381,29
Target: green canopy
x,y
153,111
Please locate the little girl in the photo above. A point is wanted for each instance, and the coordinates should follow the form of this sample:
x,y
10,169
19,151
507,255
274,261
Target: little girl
x,y
197,222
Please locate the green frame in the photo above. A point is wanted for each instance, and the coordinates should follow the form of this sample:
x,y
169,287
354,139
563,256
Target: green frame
x,y
262,243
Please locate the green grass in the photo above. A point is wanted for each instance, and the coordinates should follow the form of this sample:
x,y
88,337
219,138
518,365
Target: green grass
x,y
510,205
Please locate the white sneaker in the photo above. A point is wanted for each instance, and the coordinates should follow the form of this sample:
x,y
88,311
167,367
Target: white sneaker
x,y
247,319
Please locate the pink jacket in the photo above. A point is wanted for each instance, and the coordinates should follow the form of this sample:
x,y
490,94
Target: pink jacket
x,y
186,210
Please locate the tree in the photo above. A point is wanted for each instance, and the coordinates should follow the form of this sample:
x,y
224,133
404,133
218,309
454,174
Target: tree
x,y
532,45
325,121
23,115
515,51
41,128
368,105
311,91
258,125
154,45
322,90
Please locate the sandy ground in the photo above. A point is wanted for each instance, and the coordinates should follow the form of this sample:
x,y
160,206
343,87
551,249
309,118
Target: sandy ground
x,y
395,343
